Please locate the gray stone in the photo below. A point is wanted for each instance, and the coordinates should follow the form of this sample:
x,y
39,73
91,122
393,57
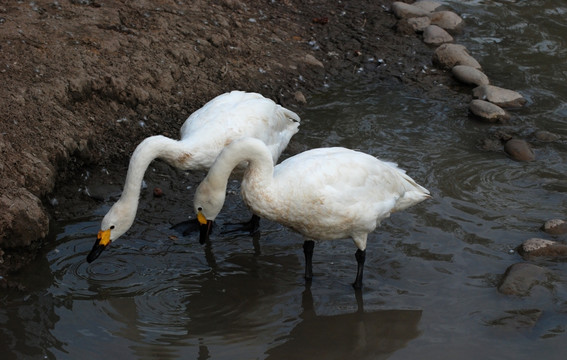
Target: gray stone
x,y
419,24
447,20
520,278
404,11
448,55
311,60
536,247
555,227
427,5
534,244
434,35
470,75
499,96
299,97
519,150
488,111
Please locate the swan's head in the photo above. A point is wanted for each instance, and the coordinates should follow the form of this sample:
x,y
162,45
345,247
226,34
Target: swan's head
x,y
208,204
114,224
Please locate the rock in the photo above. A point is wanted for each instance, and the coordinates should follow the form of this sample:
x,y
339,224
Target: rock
x,y
26,219
488,111
519,150
311,60
546,136
434,35
520,278
447,20
404,11
429,6
534,244
469,75
499,96
299,97
448,55
536,247
555,227
418,24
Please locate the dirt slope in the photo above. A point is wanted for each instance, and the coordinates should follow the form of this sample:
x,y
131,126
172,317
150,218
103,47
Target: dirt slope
x,y
78,77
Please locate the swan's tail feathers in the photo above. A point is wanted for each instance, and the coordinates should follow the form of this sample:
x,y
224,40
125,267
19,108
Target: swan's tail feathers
x,y
410,199
413,195
290,114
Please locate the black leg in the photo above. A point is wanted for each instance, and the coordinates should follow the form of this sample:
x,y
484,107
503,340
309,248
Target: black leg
x,y
254,224
308,246
250,226
360,257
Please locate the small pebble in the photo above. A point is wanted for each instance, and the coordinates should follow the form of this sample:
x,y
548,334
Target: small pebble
x,y
299,97
158,192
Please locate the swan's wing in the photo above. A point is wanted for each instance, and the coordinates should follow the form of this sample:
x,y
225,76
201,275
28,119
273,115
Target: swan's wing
x,y
333,192
240,114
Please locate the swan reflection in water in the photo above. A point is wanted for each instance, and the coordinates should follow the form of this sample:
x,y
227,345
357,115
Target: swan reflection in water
x,y
358,335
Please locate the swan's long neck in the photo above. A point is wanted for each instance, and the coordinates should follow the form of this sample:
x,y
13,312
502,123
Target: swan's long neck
x,y
255,152
151,148
258,174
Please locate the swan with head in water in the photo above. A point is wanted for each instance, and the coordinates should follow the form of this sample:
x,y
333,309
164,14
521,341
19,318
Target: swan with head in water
x,y
204,134
324,194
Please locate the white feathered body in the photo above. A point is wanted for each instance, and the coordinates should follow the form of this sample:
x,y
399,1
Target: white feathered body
x,y
331,193
232,116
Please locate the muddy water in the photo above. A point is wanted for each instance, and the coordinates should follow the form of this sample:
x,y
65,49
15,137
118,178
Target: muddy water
x,y
431,272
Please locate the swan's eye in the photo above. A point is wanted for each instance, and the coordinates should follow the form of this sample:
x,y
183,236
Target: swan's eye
x,y
112,227
200,208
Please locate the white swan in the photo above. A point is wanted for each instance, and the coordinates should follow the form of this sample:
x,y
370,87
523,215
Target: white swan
x,y
204,134
324,194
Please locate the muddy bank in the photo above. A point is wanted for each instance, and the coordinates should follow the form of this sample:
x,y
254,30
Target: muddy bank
x,y
85,81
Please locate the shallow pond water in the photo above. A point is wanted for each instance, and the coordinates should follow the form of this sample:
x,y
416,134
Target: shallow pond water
x,y
431,272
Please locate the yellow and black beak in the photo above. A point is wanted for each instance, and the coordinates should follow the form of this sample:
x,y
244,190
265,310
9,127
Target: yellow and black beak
x,y
102,241
205,227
